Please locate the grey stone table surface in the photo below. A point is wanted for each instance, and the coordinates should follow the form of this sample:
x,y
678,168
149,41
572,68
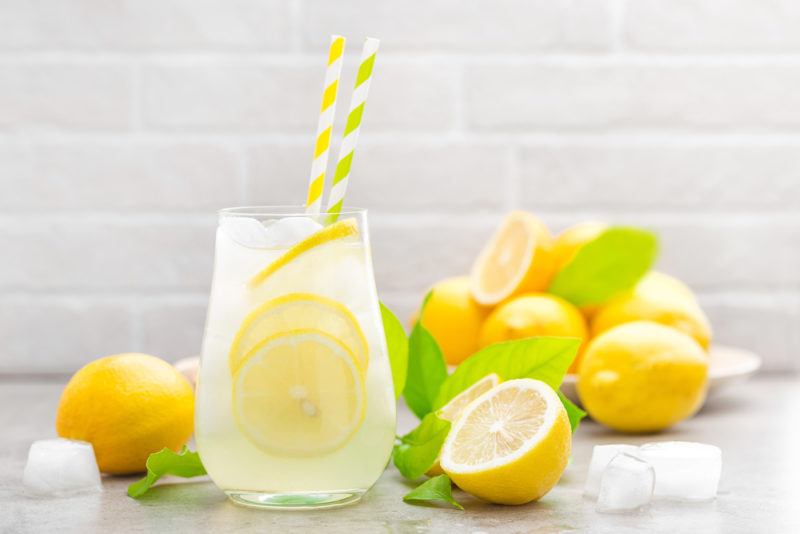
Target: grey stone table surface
x,y
757,426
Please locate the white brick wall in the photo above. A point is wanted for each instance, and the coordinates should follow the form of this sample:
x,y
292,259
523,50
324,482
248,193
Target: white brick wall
x,y
125,124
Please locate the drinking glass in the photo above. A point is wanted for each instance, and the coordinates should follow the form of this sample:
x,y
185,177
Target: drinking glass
x,y
295,403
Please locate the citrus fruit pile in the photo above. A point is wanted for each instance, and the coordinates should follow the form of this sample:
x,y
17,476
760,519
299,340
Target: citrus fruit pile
x,y
642,364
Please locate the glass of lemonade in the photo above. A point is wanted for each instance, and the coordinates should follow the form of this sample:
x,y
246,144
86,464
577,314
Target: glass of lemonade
x,y
295,403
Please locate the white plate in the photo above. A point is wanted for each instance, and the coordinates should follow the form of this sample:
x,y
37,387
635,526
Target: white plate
x,y
727,366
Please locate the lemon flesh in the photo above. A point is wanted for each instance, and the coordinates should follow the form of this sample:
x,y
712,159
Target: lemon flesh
x,y
346,228
517,259
299,393
299,311
511,444
453,409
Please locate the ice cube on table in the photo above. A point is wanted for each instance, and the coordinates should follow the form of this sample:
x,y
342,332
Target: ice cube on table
x,y
627,485
246,231
684,470
61,467
601,456
285,232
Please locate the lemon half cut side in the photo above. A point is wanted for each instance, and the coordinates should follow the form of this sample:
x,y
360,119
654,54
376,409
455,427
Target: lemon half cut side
x,y
299,393
511,444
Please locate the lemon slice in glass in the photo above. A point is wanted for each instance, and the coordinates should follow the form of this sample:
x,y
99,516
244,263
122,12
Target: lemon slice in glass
x,y
299,393
336,231
511,444
299,311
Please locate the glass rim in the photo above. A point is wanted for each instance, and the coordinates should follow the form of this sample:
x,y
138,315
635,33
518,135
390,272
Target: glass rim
x,y
285,210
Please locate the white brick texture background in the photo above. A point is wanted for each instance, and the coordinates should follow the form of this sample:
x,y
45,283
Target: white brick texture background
x,y
125,125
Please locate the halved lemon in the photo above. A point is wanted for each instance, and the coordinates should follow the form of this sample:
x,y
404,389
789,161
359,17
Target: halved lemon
x,y
511,444
452,410
298,311
299,393
338,230
517,259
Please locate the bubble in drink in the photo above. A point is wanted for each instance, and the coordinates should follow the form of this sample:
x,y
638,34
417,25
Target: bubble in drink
x,y
601,456
627,485
61,467
685,470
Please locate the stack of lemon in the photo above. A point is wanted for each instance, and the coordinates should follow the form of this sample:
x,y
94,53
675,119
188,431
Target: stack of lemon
x,y
643,363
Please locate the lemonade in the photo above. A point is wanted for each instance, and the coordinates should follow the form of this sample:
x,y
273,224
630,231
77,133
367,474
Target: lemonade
x,y
295,403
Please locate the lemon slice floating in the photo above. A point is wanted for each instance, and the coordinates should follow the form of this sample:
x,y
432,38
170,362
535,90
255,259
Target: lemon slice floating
x,y
299,311
511,444
518,259
299,393
336,231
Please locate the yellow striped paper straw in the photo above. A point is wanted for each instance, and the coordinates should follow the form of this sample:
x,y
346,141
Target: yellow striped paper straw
x,y
352,127
333,72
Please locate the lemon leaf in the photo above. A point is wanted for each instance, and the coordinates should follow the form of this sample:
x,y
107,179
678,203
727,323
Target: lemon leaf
x,y
607,266
397,345
426,370
542,358
416,452
438,488
574,413
166,462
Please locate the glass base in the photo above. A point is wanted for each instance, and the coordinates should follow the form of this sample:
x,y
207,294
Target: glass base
x,y
295,500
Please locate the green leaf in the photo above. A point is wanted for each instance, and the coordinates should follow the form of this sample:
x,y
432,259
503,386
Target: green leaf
x,y
416,452
397,345
574,413
436,489
166,462
426,369
606,266
542,358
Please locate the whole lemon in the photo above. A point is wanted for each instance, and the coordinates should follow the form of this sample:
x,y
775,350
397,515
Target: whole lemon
x,y
656,297
642,377
534,314
454,318
127,406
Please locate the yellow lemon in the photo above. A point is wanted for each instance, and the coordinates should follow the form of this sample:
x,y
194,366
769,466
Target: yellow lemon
x,y
297,311
454,318
127,406
518,259
299,393
511,444
660,298
642,377
535,314
453,409
567,244
344,229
